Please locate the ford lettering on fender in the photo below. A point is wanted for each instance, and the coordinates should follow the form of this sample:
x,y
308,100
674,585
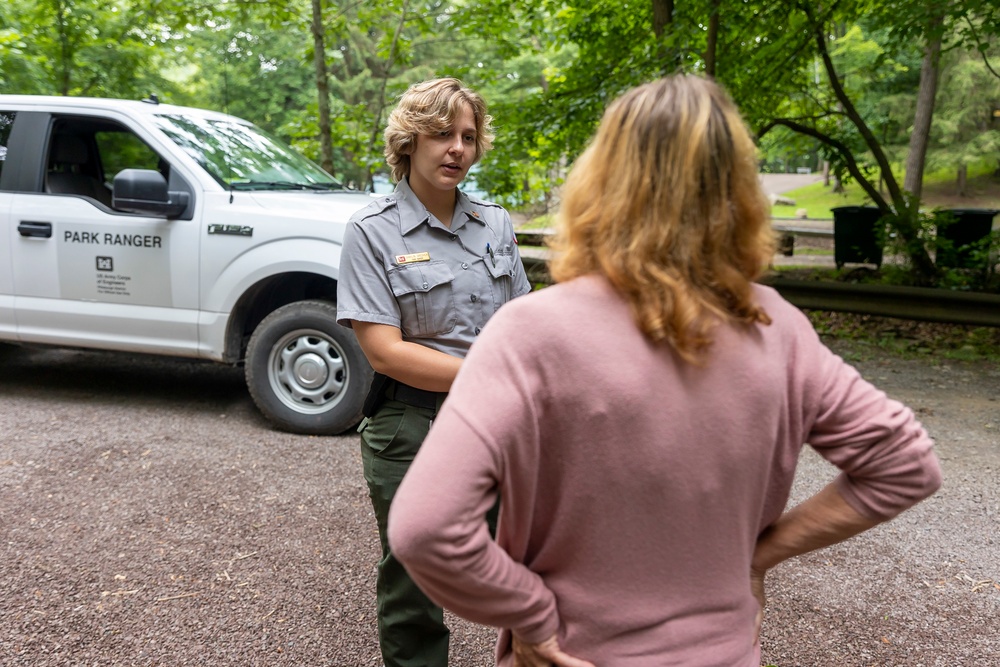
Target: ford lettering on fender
x,y
147,227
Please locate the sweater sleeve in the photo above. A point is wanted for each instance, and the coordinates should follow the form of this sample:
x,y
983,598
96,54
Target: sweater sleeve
x,y
885,455
437,524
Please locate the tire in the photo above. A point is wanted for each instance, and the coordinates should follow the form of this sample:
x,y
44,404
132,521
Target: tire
x,y
306,373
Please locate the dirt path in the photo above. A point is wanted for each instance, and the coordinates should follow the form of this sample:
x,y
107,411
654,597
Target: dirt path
x,y
149,517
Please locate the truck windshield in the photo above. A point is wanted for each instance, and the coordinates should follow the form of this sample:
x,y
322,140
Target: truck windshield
x,y
244,157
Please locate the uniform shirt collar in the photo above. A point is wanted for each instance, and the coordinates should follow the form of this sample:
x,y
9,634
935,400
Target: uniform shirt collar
x,y
412,213
470,210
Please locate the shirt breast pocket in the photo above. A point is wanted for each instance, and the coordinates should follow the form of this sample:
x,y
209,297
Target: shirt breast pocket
x,y
426,298
502,274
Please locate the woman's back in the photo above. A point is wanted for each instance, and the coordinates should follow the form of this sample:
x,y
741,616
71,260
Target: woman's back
x,y
633,483
651,474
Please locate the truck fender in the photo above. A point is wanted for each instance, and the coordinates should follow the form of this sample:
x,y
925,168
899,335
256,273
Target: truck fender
x,y
282,256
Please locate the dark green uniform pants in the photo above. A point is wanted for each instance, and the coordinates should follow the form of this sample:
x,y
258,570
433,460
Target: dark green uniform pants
x,y
411,628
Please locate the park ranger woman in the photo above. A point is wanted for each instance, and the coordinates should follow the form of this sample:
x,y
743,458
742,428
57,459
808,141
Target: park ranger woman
x,y
423,270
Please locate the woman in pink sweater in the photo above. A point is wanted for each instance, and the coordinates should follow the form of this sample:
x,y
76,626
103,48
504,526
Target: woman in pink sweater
x,y
641,420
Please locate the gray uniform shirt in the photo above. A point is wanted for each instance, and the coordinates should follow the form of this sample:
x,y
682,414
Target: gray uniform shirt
x,y
402,267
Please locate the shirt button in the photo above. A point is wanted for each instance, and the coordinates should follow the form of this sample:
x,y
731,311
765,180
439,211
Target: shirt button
x,y
425,285
474,298
478,330
465,265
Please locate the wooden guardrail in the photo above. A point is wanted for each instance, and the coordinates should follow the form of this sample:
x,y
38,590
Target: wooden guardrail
x,y
787,233
538,237
908,303
532,237
803,231
924,304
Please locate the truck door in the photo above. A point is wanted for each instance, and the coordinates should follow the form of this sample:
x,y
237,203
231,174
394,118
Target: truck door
x,y
85,274
8,328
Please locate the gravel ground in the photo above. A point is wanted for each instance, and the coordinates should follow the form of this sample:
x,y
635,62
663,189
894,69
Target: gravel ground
x,y
149,516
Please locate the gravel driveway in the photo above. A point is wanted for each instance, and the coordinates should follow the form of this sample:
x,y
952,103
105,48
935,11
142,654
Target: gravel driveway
x,y
150,517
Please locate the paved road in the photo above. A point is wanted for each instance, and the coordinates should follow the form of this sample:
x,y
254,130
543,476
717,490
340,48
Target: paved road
x,y
148,516
776,184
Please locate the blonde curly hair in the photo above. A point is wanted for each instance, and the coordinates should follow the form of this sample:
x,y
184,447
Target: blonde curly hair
x,y
666,203
429,107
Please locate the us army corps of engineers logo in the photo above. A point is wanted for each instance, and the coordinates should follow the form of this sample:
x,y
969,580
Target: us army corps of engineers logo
x,y
105,264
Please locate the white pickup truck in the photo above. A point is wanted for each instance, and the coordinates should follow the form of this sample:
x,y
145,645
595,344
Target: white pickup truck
x,y
146,227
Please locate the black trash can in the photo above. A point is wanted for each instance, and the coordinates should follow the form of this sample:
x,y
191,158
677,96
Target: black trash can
x,y
857,235
970,226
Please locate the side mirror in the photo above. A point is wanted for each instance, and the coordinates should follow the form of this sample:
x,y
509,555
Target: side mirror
x,y
145,191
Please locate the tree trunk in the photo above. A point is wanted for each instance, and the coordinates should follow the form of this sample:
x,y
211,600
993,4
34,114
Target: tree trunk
x,y
905,216
663,15
387,70
712,40
919,137
543,80
963,173
663,19
826,173
65,52
322,86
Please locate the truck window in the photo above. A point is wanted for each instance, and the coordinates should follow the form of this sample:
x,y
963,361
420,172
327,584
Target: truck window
x,y
85,154
242,156
123,150
6,122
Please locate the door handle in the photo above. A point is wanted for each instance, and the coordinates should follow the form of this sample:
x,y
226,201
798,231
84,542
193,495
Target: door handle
x,y
42,230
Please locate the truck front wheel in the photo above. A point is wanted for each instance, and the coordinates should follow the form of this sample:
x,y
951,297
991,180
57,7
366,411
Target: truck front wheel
x,y
305,372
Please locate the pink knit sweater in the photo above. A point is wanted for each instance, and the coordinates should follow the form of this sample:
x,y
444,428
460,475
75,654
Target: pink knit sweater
x,y
634,485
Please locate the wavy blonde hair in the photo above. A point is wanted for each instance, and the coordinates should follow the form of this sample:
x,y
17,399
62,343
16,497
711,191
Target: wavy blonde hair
x,y
666,203
429,107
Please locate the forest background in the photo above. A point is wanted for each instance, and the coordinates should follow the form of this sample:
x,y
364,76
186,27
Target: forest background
x,y
876,92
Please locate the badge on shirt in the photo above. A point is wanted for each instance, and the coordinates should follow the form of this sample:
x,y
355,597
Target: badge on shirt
x,y
414,257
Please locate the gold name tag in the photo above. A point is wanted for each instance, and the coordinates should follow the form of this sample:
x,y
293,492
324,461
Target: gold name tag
x,y
415,257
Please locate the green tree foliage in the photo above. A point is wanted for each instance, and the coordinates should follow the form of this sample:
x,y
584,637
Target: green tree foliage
x,y
249,67
549,70
18,69
840,77
518,60
965,131
853,138
373,51
84,47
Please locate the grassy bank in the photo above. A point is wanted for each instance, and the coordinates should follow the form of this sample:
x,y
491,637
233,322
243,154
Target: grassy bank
x,y
939,191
